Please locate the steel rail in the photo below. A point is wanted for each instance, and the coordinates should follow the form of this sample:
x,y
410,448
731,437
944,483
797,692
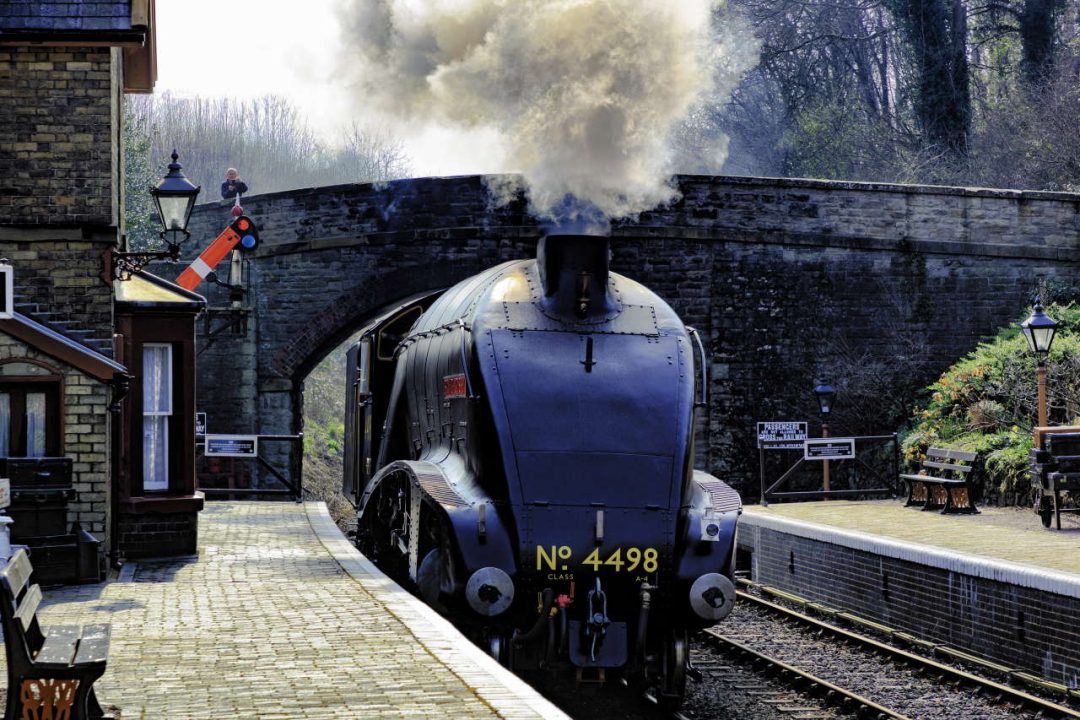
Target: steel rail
x,y
848,701
1033,702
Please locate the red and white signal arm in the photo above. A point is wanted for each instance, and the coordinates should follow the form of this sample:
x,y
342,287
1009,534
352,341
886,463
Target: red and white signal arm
x,y
7,291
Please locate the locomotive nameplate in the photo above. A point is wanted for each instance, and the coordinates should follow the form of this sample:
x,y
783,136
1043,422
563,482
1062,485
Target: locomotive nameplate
x,y
454,387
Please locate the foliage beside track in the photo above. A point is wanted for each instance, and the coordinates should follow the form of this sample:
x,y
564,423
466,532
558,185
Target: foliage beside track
x,y
324,436
986,403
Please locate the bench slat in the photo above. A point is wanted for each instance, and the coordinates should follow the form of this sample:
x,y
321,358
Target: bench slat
x,y
59,645
964,455
29,606
94,645
932,480
946,466
16,573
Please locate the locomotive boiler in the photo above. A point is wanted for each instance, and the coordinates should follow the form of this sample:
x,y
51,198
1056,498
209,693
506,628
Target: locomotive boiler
x,y
520,451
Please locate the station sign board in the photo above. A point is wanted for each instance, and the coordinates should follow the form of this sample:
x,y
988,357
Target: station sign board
x,y
781,435
829,449
5,492
232,446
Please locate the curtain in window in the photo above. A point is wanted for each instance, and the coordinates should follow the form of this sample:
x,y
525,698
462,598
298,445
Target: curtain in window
x,y
156,385
157,406
5,425
35,424
155,452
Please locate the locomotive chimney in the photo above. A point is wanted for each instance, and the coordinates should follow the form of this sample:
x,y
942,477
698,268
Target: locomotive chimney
x,y
574,274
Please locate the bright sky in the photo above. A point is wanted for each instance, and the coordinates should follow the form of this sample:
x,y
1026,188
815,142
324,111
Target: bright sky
x,y
254,47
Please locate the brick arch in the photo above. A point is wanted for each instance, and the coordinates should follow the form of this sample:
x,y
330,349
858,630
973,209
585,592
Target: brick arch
x,y
338,319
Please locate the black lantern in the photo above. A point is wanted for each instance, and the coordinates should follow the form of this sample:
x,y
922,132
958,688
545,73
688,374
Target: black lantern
x,y
174,198
825,394
1039,330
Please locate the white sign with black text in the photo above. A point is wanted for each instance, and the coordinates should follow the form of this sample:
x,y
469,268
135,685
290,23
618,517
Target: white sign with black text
x,y
781,435
7,291
232,445
829,449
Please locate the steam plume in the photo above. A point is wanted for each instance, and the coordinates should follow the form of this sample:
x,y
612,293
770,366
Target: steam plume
x,y
590,98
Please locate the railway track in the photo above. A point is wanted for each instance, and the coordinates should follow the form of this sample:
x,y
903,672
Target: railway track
x,y
856,675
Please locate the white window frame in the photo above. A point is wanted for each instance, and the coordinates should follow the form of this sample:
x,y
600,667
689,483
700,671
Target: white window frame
x,y
160,485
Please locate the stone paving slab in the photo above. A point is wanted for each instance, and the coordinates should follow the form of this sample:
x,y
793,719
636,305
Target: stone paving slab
x,y
1003,537
280,617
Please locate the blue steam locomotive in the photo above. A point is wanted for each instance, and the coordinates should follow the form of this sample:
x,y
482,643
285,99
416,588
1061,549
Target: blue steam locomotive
x,y
520,450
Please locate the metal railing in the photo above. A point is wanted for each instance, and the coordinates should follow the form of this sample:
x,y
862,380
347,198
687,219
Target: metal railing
x,y
288,486
852,472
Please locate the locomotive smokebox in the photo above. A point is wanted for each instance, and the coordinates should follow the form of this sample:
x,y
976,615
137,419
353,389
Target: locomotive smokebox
x,y
574,275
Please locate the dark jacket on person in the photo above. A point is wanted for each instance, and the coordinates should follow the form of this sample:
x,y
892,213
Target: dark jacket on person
x,y
230,188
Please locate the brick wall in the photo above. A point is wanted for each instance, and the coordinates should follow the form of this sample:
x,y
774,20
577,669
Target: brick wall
x,y
59,182
1027,628
58,164
87,431
158,535
875,287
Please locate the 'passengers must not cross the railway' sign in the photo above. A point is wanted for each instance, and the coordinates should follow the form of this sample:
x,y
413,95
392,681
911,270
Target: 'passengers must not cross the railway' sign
x,y
781,435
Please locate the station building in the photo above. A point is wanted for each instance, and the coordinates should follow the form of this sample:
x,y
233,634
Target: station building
x,y
96,361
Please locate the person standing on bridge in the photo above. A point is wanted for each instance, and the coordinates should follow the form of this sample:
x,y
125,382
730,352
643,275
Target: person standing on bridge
x,y
233,185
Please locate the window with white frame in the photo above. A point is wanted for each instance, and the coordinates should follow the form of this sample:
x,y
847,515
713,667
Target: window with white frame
x,y
157,408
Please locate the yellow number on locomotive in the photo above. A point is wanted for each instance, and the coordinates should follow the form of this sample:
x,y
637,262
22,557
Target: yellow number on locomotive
x,y
647,559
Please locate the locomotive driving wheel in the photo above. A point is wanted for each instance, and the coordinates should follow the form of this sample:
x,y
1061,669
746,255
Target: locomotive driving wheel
x,y
675,658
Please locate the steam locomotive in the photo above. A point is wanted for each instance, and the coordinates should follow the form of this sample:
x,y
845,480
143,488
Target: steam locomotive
x,y
520,449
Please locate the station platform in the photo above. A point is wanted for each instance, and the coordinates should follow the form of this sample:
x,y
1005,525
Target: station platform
x,y
1004,534
997,585
281,617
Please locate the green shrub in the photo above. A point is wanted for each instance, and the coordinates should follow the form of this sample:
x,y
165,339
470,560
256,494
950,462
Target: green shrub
x,y
986,403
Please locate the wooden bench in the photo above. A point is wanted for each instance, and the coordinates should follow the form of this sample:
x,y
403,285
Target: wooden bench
x,y
50,672
943,482
1055,468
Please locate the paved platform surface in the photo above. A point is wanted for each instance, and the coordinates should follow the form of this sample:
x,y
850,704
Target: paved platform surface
x,y
280,617
1014,535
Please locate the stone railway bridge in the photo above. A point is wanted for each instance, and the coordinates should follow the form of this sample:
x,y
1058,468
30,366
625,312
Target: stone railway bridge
x,y
875,287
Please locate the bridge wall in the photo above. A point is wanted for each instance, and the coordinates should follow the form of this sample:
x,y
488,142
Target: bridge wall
x,y
875,287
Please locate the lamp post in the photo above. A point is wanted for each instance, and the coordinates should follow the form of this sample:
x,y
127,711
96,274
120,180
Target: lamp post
x,y
174,198
825,395
1039,331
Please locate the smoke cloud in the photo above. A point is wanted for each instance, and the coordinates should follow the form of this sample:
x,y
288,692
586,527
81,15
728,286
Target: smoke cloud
x,y
595,99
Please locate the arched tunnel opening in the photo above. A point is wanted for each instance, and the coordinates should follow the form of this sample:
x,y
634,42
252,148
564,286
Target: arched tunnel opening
x,y
326,384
